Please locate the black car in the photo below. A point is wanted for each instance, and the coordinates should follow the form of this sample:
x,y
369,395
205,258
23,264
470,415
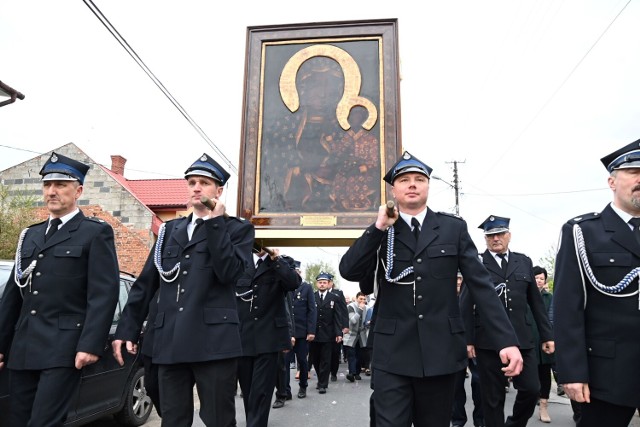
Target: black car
x,y
106,387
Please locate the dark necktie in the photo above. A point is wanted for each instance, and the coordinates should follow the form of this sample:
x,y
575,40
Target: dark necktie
x,y
199,222
53,227
416,227
321,297
260,261
503,263
636,231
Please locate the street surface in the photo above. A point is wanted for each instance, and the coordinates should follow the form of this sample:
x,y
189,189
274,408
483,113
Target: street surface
x,y
347,404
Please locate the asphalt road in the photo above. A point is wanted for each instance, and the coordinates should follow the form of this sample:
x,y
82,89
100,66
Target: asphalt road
x,y
347,404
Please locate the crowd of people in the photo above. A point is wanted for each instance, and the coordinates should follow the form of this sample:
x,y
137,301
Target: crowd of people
x,y
220,314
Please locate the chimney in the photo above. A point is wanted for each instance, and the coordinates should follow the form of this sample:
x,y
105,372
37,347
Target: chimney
x,y
117,164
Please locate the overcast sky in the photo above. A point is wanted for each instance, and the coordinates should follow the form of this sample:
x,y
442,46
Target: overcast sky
x,y
526,95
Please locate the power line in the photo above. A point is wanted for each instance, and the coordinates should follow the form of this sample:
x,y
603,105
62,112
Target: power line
x,y
555,92
157,82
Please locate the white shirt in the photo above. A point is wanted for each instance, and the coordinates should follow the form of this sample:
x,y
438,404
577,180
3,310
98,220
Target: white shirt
x,y
64,219
420,217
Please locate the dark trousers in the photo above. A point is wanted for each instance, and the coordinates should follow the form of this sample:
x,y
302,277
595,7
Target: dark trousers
x,y
493,394
301,352
257,377
425,402
355,356
283,389
151,382
598,413
42,398
335,358
320,355
544,375
216,384
459,414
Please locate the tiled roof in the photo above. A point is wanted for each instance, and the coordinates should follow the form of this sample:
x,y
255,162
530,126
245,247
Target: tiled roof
x,y
155,193
160,192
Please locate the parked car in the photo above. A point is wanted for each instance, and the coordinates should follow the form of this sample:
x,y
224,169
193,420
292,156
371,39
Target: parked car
x,y
106,388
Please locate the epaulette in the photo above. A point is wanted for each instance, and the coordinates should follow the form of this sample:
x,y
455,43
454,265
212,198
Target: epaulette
x,y
38,223
95,219
519,253
450,214
585,217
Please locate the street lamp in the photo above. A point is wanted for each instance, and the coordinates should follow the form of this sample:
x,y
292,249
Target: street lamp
x,y
9,92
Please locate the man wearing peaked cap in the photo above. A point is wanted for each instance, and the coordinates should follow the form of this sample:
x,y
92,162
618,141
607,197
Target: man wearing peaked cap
x,y
512,276
58,305
195,265
595,300
328,329
410,260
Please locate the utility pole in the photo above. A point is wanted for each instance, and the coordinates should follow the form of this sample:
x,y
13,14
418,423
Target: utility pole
x,y
456,185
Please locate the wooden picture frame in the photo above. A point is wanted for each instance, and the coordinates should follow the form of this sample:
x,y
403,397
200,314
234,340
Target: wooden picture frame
x,y
321,125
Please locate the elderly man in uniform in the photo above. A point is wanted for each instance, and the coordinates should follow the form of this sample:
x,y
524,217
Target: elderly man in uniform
x,y
195,264
265,331
328,329
410,258
514,281
59,301
595,302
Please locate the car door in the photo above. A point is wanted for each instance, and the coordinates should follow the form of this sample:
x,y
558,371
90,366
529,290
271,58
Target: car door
x,y
103,383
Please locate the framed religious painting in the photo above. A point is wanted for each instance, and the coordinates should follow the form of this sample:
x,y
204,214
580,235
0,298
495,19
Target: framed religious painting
x,y
321,124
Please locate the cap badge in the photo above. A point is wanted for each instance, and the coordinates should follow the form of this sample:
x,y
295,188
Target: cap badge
x,y
406,156
54,158
491,218
203,158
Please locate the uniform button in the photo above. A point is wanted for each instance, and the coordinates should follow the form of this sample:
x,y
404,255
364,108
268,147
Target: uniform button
x,y
255,296
38,274
181,309
225,317
184,273
187,256
68,252
215,225
40,256
612,260
256,307
511,309
419,278
441,251
509,299
33,312
590,349
419,260
255,318
419,297
420,317
78,325
34,293
182,290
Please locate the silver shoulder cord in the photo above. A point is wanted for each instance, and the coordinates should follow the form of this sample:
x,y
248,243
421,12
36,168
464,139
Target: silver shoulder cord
x,y
388,267
18,274
583,260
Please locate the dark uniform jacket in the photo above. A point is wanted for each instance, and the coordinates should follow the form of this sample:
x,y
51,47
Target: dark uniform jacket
x,y
421,333
304,311
519,292
598,335
197,316
264,322
329,324
74,292
343,313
